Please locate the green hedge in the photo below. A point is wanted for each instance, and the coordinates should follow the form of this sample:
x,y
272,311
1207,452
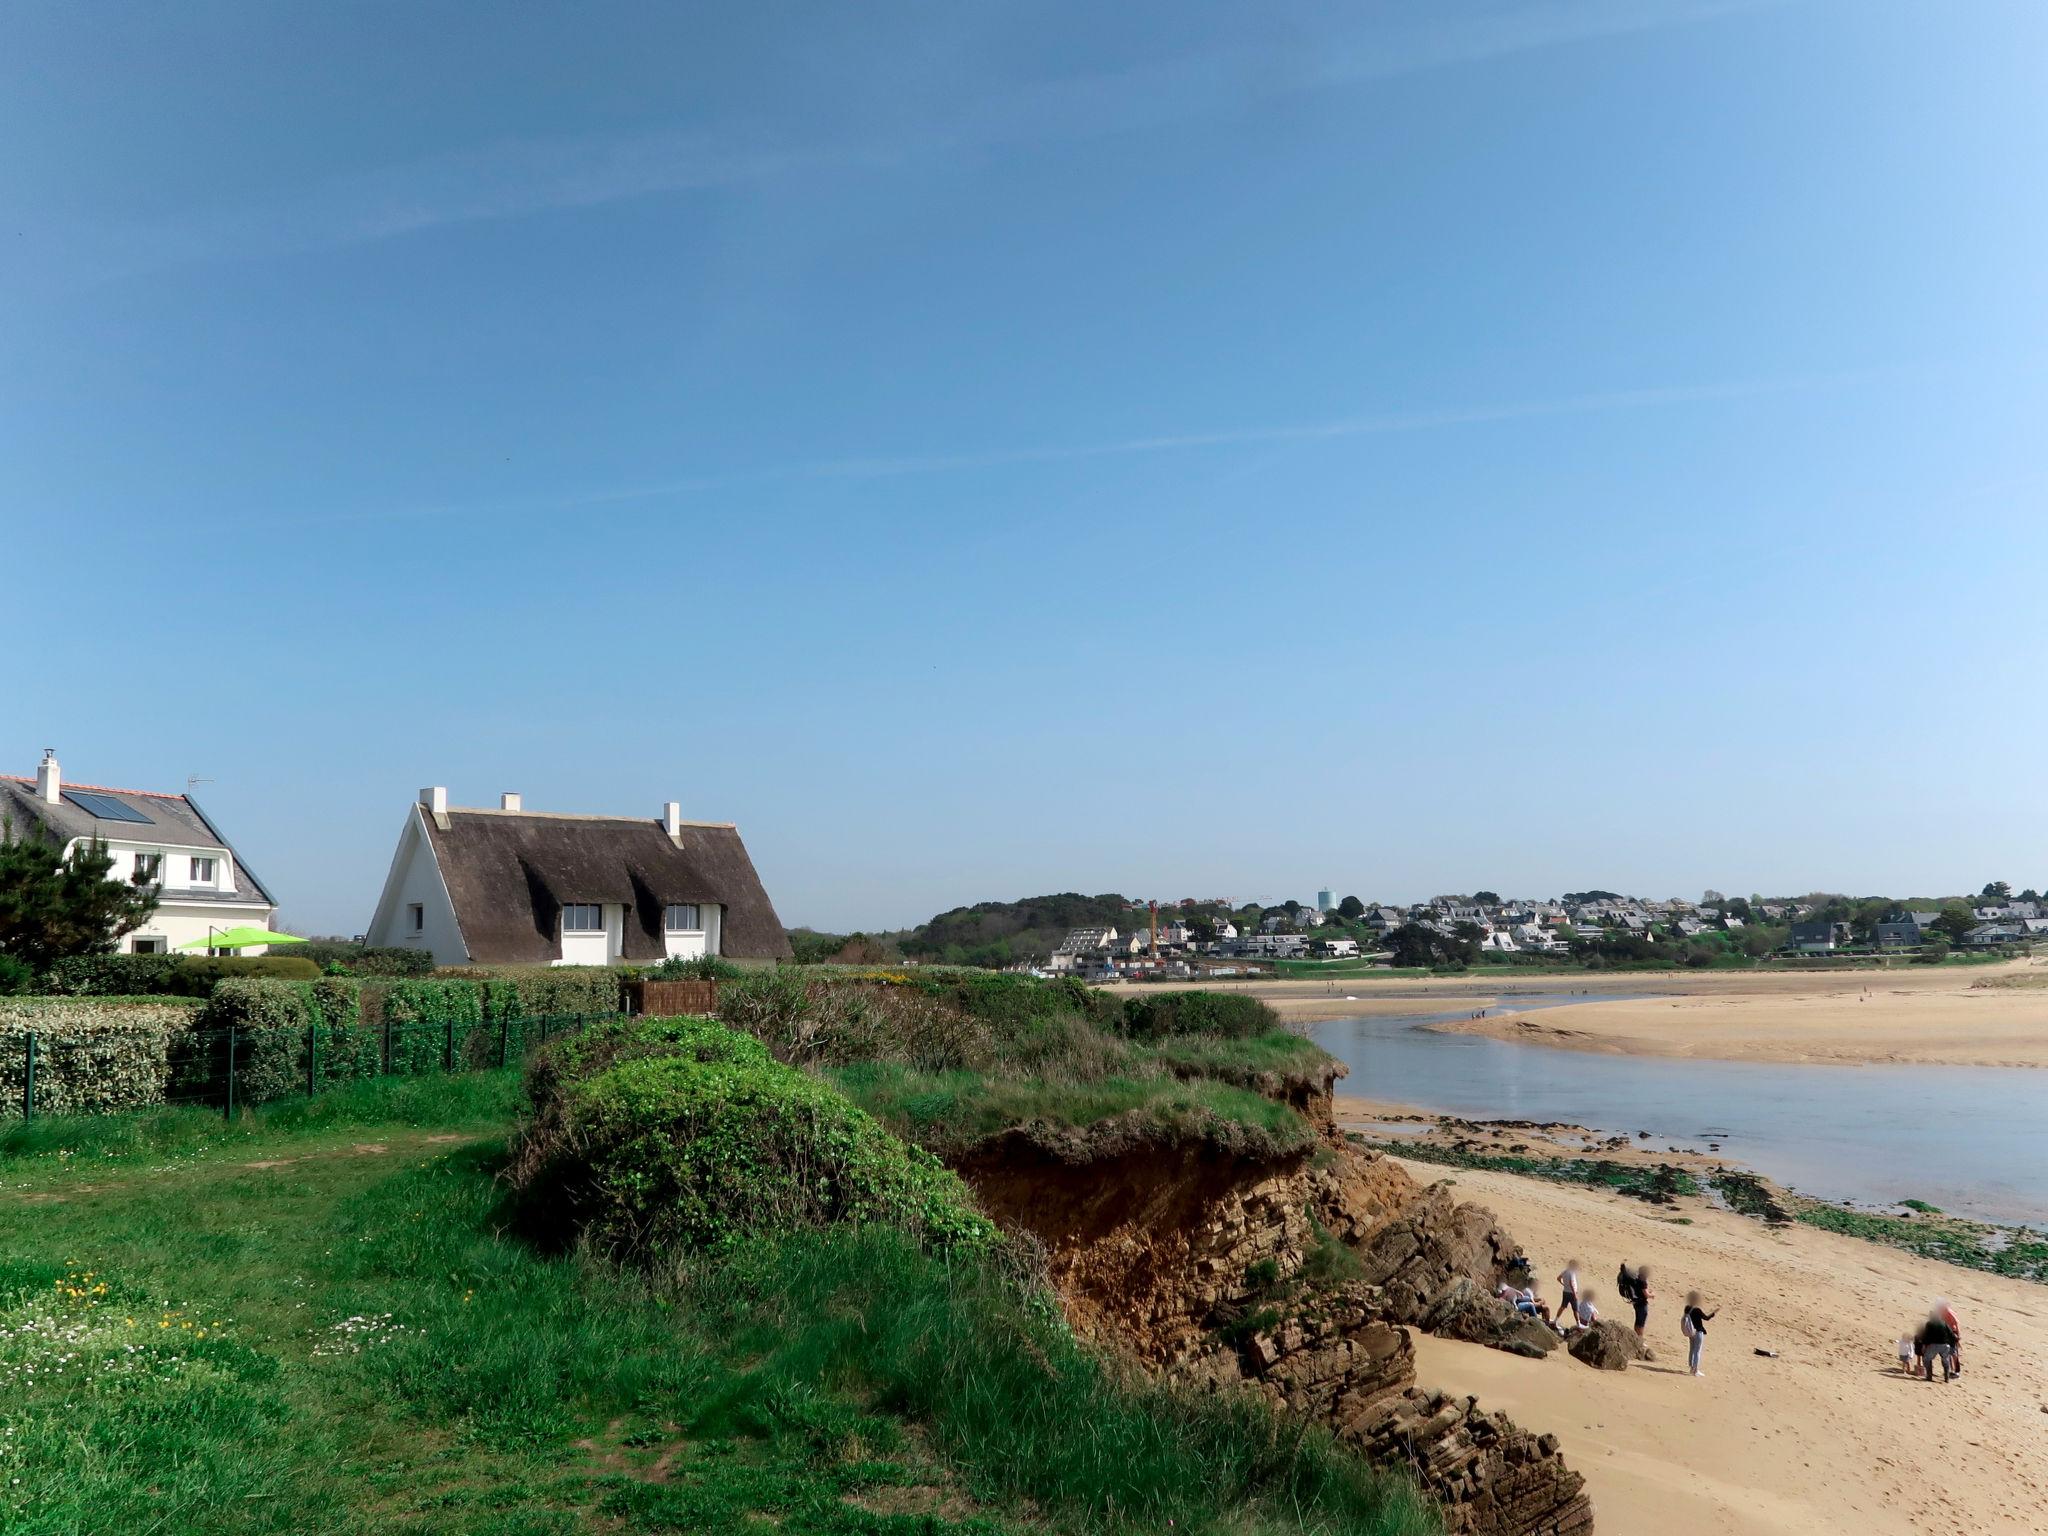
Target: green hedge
x,y
92,1054
165,975
364,960
1231,1015
358,1028
693,1136
541,991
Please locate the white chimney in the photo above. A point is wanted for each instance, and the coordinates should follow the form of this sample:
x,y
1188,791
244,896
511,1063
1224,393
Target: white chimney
x,y
509,801
49,777
672,820
435,799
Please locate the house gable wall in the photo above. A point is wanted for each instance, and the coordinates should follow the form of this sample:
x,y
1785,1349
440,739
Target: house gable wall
x,y
415,880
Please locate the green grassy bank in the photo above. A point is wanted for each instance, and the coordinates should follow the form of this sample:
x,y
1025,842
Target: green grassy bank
x,y
315,1320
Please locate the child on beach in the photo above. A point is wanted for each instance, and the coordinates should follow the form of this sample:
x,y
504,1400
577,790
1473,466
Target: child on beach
x,y
1909,1364
1694,1326
1583,1312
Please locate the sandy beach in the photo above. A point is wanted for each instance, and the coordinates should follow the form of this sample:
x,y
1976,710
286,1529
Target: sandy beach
x,y
1989,1016
1943,1017
1828,1437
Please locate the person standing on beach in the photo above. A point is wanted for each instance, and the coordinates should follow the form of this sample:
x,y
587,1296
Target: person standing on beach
x,y
1694,1326
1937,1340
1569,1279
1634,1285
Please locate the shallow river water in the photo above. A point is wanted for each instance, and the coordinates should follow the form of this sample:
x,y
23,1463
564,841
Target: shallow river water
x,y
1973,1140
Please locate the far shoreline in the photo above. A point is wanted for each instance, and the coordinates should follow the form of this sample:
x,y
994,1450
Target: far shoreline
x,y
1976,1016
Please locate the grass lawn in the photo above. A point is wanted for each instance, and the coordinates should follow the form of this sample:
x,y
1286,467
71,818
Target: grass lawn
x,y
315,1322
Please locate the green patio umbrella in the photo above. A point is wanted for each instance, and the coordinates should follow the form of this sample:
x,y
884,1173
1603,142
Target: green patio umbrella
x,y
241,938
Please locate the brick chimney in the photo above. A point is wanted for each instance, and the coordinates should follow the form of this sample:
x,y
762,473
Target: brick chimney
x,y
672,821
510,801
49,777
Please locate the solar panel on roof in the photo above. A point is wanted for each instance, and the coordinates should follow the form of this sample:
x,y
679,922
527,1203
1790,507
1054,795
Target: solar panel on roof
x,y
104,807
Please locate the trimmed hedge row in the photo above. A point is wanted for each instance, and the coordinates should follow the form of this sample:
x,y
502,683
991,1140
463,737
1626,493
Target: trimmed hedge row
x,y
358,1028
164,975
541,991
363,959
92,1055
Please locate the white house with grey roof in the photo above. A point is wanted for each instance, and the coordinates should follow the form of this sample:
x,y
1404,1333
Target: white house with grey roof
x,y
204,887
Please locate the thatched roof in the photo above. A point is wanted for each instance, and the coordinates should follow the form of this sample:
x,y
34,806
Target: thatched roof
x,y
510,873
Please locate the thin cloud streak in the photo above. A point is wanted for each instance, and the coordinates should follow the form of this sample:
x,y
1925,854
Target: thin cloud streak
x,y
516,178
909,466
1360,426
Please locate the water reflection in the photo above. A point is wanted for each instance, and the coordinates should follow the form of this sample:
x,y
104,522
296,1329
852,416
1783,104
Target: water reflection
x,y
1969,1139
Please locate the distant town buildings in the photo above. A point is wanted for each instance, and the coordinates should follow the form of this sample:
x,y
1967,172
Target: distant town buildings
x,y
1205,937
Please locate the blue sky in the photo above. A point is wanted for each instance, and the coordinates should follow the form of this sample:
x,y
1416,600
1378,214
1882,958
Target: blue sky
x,y
981,450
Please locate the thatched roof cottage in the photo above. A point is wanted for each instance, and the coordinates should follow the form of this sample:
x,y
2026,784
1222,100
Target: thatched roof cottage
x,y
513,886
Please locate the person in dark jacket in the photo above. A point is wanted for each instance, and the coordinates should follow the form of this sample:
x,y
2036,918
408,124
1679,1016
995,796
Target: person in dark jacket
x,y
1634,1286
1937,1340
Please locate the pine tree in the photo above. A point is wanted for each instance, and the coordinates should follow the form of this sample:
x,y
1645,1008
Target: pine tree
x,y
52,906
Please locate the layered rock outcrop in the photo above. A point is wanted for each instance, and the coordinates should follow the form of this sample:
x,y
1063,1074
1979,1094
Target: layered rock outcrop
x,y
1182,1253
1349,1368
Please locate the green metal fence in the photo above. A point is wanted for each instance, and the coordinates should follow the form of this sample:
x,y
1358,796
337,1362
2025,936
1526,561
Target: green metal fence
x,y
67,1072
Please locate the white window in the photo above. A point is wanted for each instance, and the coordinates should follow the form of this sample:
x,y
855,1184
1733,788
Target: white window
x,y
152,946
683,919
419,917
582,918
148,866
202,871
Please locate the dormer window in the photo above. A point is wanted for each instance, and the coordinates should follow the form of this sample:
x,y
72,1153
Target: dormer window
x,y
582,917
149,866
682,918
202,871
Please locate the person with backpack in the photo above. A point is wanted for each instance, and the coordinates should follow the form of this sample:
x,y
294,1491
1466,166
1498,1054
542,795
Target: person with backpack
x,y
1694,1326
1634,1287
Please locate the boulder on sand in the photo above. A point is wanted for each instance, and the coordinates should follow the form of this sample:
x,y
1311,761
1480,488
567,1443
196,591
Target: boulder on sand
x,y
1529,1337
1608,1346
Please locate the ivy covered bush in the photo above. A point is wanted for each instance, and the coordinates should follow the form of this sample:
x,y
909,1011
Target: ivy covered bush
x,y
679,1134
92,1054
